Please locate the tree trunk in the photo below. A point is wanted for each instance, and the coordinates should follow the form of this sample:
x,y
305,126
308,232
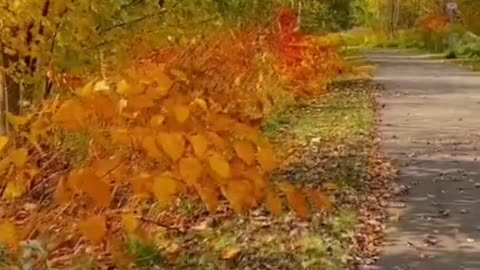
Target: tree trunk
x,y
12,87
3,103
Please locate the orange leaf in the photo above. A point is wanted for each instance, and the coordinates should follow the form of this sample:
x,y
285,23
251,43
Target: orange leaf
x,y
190,169
239,194
260,183
93,228
62,193
220,165
266,158
106,166
19,157
199,144
88,182
209,195
150,146
71,116
9,235
245,151
164,85
247,132
274,203
164,189
121,137
157,121
231,253
104,106
173,144
140,102
181,113
216,140
321,201
296,200
141,184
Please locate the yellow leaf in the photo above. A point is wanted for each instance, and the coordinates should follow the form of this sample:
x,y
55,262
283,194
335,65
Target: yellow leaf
x,y
157,121
199,144
3,142
220,165
86,90
231,253
164,189
9,234
245,151
123,88
266,158
274,203
173,144
296,200
330,186
190,169
14,189
5,164
201,103
17,121
93,228
130,223
39,127
173,248
9,51
181,113
19,157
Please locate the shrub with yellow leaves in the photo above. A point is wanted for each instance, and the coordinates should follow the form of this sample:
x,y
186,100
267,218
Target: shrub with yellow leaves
x,y
161,128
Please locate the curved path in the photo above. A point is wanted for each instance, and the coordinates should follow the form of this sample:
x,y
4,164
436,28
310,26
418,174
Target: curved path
x,y
431,129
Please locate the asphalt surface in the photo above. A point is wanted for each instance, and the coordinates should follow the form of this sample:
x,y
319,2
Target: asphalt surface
x,y
430,128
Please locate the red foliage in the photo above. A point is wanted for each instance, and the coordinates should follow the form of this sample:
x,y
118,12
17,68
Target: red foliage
x,y
300,58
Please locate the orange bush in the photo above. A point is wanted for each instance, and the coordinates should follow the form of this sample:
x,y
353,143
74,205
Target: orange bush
x,y
310,62
177,121
434,24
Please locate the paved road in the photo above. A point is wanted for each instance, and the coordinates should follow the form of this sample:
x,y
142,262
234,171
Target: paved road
x,y
431,129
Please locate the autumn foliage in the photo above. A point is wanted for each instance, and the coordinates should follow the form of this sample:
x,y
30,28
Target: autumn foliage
x,y
434,24
307,60
180,121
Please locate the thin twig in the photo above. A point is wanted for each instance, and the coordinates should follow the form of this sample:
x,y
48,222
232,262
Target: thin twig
x,y
130,22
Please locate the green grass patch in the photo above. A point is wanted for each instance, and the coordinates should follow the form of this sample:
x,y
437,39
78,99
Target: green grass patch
x,y
147,255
